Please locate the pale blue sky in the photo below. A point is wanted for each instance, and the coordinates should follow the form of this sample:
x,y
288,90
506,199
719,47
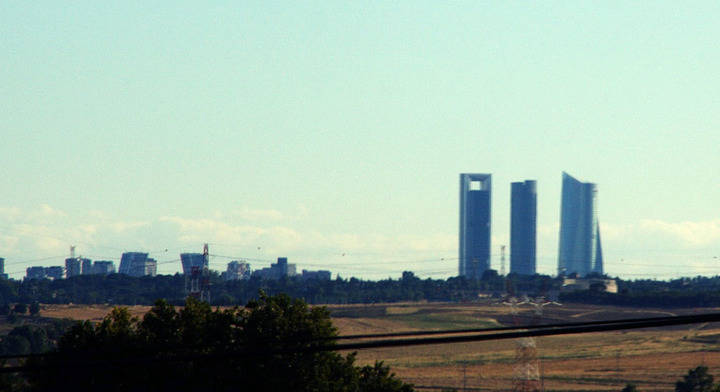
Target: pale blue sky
x,y
313,129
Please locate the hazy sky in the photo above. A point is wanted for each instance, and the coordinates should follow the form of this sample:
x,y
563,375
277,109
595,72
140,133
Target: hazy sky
x,y
316,129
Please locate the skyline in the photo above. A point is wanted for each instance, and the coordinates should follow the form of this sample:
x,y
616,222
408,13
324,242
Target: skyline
x,y
314,131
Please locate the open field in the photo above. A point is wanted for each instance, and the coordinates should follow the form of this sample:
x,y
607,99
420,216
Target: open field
x,y
653,358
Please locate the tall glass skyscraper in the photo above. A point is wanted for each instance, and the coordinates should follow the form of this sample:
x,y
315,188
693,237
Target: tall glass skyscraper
x,y
137,264
523,227
474,258
190,260
580,250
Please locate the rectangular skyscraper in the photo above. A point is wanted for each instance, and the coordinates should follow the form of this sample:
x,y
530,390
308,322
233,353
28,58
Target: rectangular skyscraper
x,y
474,254
523,227
72,267
86,267
580,250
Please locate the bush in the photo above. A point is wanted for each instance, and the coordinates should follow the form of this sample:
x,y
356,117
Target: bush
x,y
20,308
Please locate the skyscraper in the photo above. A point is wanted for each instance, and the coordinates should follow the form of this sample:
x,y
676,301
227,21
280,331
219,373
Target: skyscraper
x,y
190,260
86,267
523,227
103,267
580,250
137,264
72,267
474,254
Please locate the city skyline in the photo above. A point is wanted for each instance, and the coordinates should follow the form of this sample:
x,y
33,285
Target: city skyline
x,y
319,132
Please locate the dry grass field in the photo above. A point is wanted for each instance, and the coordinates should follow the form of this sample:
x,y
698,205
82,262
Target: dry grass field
x,y
653,359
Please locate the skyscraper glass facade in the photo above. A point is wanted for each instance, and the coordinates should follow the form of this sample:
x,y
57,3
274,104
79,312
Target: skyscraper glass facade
x,y
523,227
137,264
190,260
474,252
580,250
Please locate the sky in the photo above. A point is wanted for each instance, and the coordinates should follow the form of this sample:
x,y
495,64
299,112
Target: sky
x,y
333,133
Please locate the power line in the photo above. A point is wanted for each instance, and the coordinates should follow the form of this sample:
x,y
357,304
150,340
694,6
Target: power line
x,y
590,327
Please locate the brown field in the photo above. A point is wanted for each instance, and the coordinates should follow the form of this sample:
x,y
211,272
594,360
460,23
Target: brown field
x,y
653,359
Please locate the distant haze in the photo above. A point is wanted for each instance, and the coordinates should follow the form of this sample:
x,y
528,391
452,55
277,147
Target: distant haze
x,y
333,132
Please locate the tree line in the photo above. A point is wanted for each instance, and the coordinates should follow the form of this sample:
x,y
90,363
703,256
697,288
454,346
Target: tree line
x,y
127,290
264,346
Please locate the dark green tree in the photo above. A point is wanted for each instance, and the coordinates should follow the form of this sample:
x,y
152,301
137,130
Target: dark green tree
x,y
268,345
34,308
20,308
697,380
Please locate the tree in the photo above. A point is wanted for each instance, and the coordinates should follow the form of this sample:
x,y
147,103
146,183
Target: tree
x,y
697,380
20,308
629,388
268,345
34,308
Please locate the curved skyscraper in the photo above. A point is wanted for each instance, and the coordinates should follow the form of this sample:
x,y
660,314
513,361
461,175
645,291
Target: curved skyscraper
x,y
580,250
474,258
190,260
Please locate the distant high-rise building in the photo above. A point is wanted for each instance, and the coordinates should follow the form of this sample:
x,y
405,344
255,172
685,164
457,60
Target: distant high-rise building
x,y
278,270
237,270
86,267
523,227
35,273
149,267
103,267
316,275
3,275
580,250
190,260
73,267
474,255
54,272
137,264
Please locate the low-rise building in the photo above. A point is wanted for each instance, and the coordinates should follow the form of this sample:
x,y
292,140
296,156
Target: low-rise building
x,y
278,270
316,275
103,267
54,272
580,284
35,273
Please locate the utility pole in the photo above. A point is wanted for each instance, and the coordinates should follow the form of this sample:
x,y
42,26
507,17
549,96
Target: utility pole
x,y
198,286
205,285
527,365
